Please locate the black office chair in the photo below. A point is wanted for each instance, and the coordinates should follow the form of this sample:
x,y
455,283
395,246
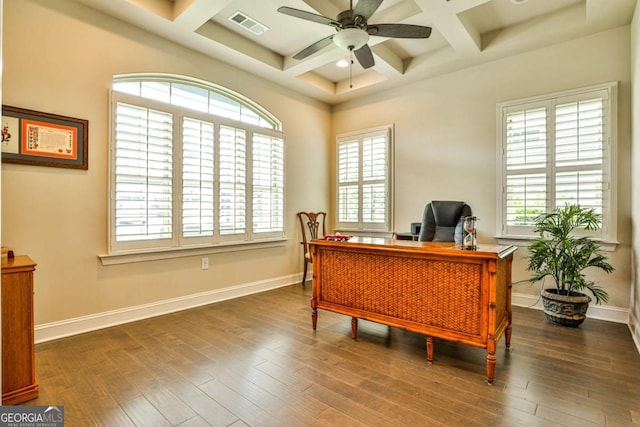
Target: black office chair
x,y
442,221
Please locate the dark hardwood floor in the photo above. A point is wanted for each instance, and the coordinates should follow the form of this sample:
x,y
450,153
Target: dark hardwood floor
x,y
255,361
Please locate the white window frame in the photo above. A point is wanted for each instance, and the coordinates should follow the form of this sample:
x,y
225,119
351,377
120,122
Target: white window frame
x,y
524,234
178,244
359,226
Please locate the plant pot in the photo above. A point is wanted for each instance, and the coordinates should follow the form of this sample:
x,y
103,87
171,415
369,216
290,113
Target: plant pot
x,y
565,310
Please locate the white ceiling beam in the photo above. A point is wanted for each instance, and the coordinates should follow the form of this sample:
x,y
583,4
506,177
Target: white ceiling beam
x,y
610,12
229,39
319,82
448,19
387,62
537,31
369,78
324,8
191,14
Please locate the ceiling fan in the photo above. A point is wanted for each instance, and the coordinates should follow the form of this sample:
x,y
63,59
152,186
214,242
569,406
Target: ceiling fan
x,y
353,31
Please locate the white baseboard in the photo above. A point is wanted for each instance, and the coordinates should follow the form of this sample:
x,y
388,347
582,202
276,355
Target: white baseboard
x,y
600,312
634,327
55,330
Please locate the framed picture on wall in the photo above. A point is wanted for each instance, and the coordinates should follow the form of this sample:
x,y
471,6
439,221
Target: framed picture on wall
x,y
43,139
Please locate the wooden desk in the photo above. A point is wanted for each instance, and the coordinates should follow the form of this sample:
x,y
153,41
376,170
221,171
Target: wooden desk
x,y
18,349
436,289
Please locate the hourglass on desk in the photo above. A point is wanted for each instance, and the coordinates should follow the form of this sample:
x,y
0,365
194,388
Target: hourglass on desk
x,y
469,241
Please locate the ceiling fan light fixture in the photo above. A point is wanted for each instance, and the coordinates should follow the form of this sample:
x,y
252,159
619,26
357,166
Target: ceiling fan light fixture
x,y
351,38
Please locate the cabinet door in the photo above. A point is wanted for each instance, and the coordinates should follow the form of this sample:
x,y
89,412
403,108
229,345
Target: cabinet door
x,y
18,358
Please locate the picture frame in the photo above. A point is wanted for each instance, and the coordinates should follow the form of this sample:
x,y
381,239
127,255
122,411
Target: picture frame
x,y
42,139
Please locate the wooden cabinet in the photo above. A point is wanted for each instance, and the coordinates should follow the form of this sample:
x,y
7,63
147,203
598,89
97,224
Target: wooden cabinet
x,y
18,350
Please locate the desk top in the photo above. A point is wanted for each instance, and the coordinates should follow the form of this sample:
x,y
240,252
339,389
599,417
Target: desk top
x,y
441,248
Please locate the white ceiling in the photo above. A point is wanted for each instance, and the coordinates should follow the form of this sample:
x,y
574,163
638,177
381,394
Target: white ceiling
x,y
465,33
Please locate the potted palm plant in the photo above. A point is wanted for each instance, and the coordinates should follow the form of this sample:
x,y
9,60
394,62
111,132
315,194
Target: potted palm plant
x,y
563,254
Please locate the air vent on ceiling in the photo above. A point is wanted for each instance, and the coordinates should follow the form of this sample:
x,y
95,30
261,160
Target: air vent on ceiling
x,y
248,23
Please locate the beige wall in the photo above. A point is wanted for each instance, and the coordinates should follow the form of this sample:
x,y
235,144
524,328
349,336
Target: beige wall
x,y
62,63
445,142
635,166
445,147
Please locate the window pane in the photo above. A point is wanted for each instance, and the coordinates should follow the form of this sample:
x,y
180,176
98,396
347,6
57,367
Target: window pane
x,y
132,88
192,97
268,183
348,162
197,178
233,175
374,158
579,133
583,188
223,106
526,139
373,203
249,116
143,186
526,198
348,202
158,91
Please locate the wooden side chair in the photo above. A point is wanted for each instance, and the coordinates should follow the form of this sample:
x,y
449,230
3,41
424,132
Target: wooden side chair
x,y
312,225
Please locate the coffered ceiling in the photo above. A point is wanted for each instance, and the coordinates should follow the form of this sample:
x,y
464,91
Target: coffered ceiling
x,y
464,33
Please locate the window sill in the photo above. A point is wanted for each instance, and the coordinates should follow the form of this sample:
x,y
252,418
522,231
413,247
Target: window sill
x,y
525,241
168,253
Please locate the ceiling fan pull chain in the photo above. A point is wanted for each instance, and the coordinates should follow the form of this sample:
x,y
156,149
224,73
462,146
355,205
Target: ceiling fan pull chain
x,y
351,69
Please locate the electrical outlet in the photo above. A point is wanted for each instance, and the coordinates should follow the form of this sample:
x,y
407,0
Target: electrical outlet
x,y
205,263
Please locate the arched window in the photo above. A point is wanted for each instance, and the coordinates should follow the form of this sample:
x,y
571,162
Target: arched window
x,y
193,164
195,94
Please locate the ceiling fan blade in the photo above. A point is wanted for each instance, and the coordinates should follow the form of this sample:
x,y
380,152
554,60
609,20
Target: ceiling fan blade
x,y
366,8
402,31
310,50
302,14
364,56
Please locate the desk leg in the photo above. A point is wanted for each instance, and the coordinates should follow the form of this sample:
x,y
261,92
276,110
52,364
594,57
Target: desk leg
x,y
354,328
507,333
314,313
430,350
491,359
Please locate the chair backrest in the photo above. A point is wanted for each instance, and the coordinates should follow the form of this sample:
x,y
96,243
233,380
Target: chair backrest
x,y
312,225
441,221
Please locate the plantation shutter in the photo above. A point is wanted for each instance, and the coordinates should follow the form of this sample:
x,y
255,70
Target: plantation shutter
x,y
232,180
144,173
580,153
348,189
197,178
374,162
556,150
363,180
268,183
181,176
526,161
